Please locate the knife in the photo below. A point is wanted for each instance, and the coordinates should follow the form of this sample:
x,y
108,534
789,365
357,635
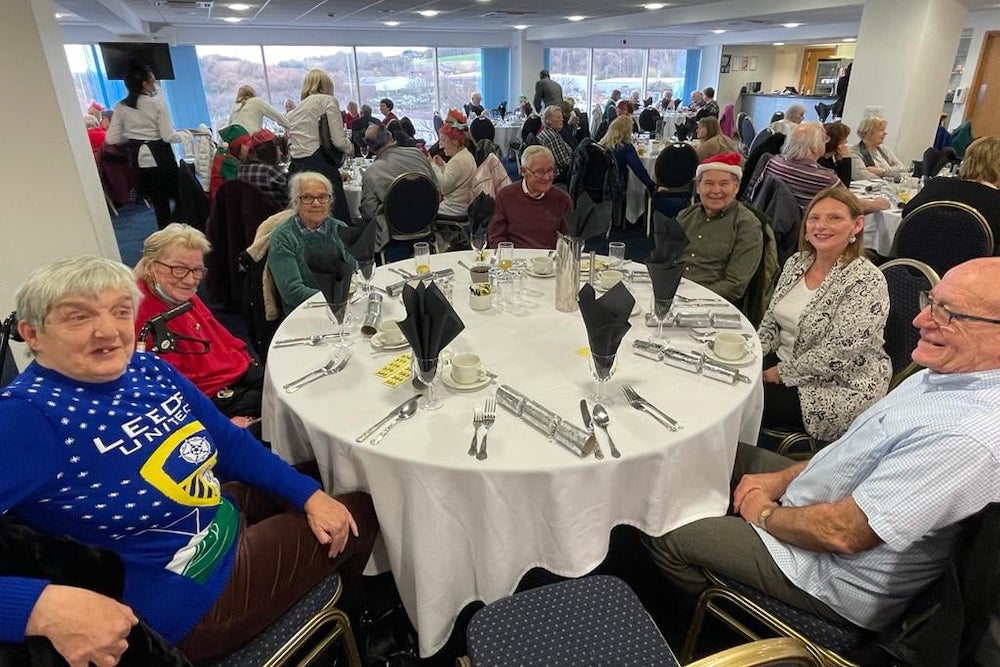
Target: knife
x,y
392,413
589,424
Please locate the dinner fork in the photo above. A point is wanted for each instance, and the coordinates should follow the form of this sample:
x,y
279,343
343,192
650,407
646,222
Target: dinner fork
x,y
332,367
640,403
489,416
477,421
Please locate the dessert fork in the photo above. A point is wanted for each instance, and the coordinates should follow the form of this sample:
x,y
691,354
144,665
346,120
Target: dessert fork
x,y
489,416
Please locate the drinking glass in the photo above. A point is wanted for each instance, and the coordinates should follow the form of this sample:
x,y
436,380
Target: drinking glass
x,y
505,253
616,255
366,267
478,242
602,367
339,314
661,311
426,372
422,258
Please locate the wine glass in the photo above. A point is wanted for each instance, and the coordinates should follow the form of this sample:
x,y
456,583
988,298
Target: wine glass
x,y
661,312
366,267
426,372
602,367
478,242
339,315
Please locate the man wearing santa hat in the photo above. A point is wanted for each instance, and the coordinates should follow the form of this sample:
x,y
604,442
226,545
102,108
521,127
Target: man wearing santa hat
x,y
725,236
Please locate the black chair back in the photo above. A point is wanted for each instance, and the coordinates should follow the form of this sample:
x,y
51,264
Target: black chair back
x,y
533,125
676,165
8,330
438,123
602,129
934,161
777,115
410,206
905,278
647,119
482,128
943,235
598,164
761,137
194,205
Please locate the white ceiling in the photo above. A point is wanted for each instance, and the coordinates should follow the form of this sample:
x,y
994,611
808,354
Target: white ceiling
x,y
743,20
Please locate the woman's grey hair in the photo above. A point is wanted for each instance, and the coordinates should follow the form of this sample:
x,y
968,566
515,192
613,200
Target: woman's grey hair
x,y
531,152
299,181
870,124
82,275
806,140
795,109
173,235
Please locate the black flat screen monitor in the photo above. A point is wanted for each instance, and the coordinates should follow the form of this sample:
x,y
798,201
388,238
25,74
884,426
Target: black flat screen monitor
x,y
118,57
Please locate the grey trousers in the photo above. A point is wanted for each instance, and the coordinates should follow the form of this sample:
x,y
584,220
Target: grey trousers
x,y
730,546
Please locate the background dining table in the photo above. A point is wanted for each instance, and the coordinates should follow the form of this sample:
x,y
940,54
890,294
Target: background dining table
x,y
455,529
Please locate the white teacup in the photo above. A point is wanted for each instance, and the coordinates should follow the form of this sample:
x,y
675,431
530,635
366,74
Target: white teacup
x,y
467,368
390,333
609,278
541,265
728,345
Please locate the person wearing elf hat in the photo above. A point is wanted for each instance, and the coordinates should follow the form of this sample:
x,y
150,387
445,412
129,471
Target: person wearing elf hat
x,y
726,241
225,166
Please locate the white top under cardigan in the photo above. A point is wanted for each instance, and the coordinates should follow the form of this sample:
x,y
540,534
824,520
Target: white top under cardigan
x,y
303,126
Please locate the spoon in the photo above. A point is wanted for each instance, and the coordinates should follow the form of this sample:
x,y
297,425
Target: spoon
x,y
318,339
602,419
408,410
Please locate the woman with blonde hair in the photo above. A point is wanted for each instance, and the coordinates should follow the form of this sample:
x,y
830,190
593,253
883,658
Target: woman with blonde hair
x,y
304,140
870,157
821,336
711,140
249,111
618,140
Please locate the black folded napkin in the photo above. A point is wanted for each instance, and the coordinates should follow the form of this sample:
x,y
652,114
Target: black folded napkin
x,y
665,264
431,323
360,240
480,212
606,321
587,219
332,274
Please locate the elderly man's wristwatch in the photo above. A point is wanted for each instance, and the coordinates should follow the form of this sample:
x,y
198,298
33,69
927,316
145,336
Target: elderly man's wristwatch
x,y
762,519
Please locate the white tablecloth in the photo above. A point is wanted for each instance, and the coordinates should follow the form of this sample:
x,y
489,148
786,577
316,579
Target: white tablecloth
x,y
456,529
352,189
880,230
505,134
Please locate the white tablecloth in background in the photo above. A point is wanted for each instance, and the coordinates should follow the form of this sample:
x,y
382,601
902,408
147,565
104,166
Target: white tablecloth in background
x,y
352,189
505,134
456,529
880,230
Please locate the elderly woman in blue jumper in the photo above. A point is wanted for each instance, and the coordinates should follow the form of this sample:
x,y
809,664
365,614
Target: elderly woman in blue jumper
x,y
309,228
116,449
822,333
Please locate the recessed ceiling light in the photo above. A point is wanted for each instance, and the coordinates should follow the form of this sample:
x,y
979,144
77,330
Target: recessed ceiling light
x,y
652,6
718,32
791,25
575,17
61,16
520,26
778,43
239,7
429,13
232,19
849,39
391,24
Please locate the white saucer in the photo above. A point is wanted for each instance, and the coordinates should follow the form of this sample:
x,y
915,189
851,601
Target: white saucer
x,y
449,381
637,311
379,345
745,360
550,274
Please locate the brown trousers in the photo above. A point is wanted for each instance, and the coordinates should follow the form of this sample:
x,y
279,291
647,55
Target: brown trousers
x,y
278,560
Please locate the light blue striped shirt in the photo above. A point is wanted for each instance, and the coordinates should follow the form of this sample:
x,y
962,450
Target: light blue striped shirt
x,y
918,461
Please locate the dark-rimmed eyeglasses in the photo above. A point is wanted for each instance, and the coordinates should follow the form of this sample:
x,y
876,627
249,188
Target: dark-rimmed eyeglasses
x,y
319,199
181,272
544,173
943,317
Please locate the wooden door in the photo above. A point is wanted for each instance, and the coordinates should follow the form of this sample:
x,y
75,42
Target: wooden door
x,y
982,105
809,59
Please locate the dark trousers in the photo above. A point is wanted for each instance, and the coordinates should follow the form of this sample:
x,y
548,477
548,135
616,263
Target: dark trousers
x,y
782,407
242,398
278,560
316,162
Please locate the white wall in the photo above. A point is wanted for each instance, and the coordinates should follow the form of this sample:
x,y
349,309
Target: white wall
x,y
981,23
730,84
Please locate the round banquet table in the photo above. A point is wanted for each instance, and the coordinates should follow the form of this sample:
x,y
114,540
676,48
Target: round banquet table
x,y
456,529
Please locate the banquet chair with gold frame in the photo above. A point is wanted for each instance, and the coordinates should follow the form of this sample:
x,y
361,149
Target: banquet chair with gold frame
x,y
410,208
943,234
906,279
594,620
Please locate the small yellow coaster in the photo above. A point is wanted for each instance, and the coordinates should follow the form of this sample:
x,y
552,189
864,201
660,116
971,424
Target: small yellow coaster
x,y
584,352
396,371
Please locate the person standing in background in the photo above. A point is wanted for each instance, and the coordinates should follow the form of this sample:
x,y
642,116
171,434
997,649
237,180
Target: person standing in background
x,y
547,91
250,111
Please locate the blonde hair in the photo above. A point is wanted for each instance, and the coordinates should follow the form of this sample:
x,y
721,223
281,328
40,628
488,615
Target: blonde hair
x,y
982,161
82,275
711,125
175,234
847,198
316,81
870,124
244,93
619,132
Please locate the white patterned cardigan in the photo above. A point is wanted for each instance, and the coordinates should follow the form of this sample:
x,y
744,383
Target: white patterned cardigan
x,y
837,361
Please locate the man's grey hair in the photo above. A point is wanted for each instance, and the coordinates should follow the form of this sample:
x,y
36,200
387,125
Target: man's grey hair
x,y
299,181
795,108
552,111
82,275
377,137
531,153
175,234
806,139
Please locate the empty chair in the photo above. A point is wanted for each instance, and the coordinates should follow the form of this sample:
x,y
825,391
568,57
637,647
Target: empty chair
x,y
675,167
777,115
906,279
533,125
746,130
760,138
943,234
648,118
482,128
823,111
410,207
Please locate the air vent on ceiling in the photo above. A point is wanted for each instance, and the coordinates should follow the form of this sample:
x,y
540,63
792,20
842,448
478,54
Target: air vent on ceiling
x,y
750,23
184,4
500,14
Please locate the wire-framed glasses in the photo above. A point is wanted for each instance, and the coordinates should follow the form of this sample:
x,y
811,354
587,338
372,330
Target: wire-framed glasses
x,y
943,317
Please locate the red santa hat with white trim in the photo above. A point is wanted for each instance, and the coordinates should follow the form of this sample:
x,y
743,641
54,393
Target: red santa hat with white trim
x,y
728,162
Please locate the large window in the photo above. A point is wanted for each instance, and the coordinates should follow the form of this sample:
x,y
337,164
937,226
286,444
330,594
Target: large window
x,y
665,72
618,69
287,65
223,70
405,75
460,73
570,68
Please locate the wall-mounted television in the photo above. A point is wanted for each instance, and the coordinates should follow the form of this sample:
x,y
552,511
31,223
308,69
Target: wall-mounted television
x,y
118,57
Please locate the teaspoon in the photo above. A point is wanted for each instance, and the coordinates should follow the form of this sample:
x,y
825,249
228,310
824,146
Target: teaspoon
x,y
408,410
602,419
